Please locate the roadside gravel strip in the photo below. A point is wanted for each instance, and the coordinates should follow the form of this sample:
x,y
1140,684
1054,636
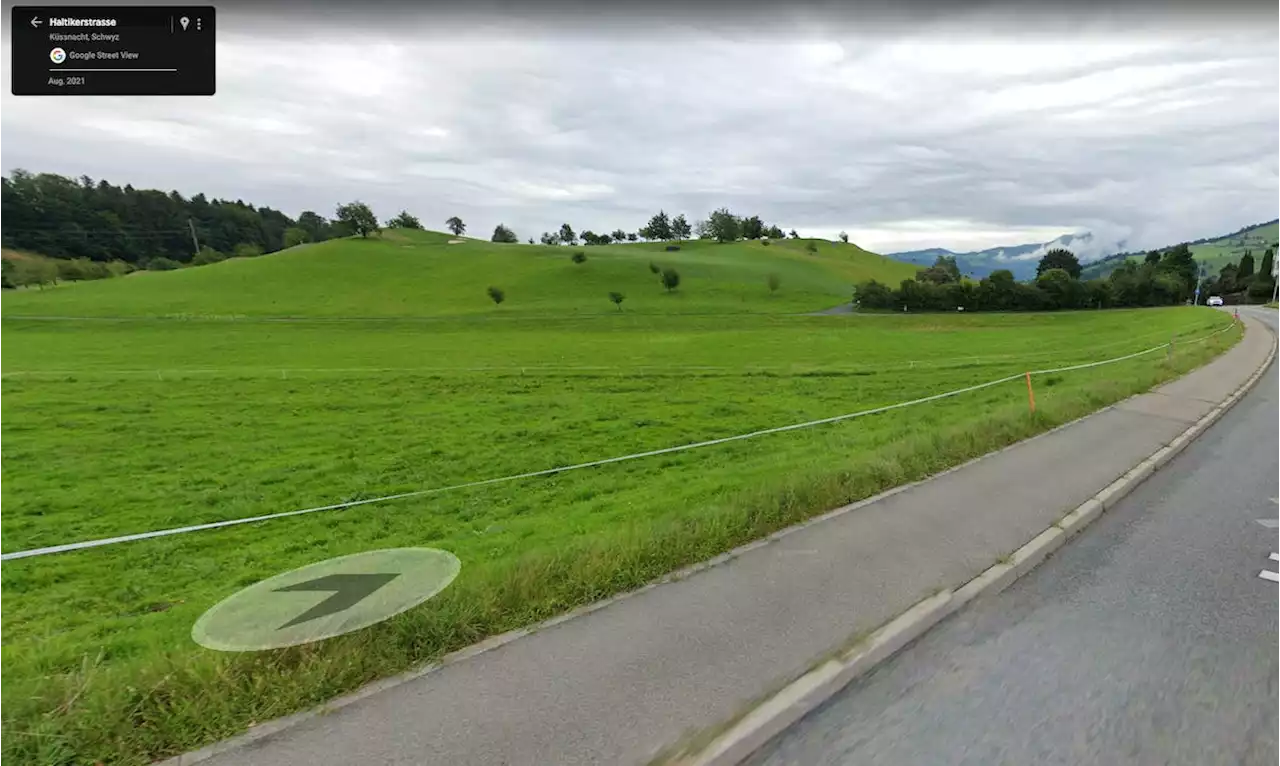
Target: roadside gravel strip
x,y
710,662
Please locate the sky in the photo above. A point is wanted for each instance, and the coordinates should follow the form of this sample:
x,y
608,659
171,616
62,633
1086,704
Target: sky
x,y
962,129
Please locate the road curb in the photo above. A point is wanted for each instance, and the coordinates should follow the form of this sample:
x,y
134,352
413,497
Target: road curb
x,y
752,729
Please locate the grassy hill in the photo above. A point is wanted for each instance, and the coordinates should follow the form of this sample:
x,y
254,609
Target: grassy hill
x,y
116,427
1213,253
406,273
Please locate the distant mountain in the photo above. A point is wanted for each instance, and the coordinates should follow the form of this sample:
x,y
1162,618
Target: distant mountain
x,y
1212,252
1020,259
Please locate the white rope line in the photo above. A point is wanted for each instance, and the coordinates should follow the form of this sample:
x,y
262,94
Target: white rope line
x,y
549,471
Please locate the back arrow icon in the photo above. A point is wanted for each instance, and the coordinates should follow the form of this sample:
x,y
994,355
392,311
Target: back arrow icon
x,y
35,22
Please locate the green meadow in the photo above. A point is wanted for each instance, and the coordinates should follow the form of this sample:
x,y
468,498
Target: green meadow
x,y
355,369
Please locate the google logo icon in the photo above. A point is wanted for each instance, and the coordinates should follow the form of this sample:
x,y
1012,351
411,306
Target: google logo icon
x,y
57,55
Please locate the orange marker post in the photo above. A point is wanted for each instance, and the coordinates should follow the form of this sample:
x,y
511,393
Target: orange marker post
x,y
1031,395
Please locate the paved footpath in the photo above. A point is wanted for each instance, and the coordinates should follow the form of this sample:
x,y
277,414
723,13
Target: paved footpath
x,y
1150,639
618,684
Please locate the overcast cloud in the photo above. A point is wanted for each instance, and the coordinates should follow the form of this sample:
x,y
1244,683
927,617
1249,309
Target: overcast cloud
x,y
916,135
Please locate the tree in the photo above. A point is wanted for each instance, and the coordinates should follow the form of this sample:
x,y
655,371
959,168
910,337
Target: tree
x,y
159,263
1097,294
549,239
996,291
775,232
1059,258
658,228
1227,282
66,219
1057,285
943,271
725,226
752,228
680,228
874,295
774,281
1268,263
1181,264
496,295
632,237
619,235
358,217
293,236
590,238
316,227
617,299
793,234
670,279
1245,272
404,220
567,236
844,237
1153,257
1260,289
502,234
207,256
455,225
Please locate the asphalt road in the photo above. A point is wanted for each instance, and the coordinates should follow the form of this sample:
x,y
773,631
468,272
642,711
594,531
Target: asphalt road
x,y
1150,639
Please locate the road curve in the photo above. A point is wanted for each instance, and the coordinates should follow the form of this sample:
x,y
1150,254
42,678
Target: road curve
x,y
1150,639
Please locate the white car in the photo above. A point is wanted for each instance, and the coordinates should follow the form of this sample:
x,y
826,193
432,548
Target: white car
x,y
1214,300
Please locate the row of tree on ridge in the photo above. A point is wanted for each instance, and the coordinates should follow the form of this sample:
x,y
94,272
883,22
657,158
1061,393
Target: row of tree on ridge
x,y
1160,279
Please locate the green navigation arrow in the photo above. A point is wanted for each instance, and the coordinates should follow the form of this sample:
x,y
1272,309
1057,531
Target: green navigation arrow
x,y
348,590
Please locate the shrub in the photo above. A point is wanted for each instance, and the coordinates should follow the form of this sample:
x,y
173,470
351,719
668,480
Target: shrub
x,y
617,299
811,247
32,271
579,257
774,282
670,279
672,248
496,295
293,236
161,263
78,269
120,268
247,250
654,268
206,256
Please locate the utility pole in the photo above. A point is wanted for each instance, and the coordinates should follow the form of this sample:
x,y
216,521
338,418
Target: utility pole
x,y
194,242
